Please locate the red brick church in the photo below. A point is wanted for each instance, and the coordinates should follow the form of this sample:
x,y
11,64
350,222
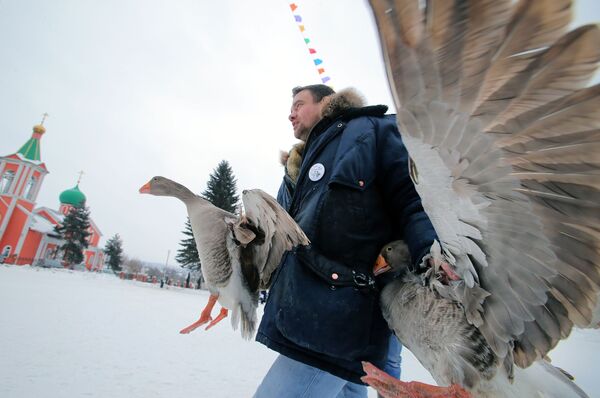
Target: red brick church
x,y
27,232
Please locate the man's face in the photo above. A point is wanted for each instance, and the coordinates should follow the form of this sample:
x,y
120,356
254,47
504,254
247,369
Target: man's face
x,y
304,114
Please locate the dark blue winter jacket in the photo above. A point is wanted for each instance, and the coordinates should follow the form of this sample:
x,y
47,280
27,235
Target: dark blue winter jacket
x,y
353,195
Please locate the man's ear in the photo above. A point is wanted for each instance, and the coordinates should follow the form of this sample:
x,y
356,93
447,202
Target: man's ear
x,y
324,105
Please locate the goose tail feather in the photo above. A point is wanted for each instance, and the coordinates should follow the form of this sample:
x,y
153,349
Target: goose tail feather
x,y
245,319
542,379
248,323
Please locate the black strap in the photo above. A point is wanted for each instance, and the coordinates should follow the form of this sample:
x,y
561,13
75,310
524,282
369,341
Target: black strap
x,y
333,272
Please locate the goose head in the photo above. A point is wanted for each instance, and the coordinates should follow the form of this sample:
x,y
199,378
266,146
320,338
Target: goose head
x,y
393,257
161,186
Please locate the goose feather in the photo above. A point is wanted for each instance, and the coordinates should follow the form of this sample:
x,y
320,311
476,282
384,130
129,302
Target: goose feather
x,y
503,137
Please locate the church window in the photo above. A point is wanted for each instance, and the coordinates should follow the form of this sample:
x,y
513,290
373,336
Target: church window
x,y
28,194
6,181
51,253
6,251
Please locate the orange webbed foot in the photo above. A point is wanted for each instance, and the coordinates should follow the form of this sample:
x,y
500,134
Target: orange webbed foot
x,y
204,316
390,387
203,319
222,315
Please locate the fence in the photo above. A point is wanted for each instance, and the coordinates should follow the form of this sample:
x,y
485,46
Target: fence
x,y
141,277
41,262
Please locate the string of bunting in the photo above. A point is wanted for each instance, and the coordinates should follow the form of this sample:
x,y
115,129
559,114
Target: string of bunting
x,y
316,60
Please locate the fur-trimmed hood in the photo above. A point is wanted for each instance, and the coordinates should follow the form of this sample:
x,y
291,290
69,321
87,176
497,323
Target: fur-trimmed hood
x,y
334,105
338,103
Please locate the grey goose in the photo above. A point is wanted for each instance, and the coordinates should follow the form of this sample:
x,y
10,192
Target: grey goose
x,y
238,253
503,133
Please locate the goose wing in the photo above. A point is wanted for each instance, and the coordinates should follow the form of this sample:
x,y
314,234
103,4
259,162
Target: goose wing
x,y
275,232
504,138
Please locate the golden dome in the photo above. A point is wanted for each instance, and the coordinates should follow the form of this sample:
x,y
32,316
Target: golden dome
x,y
38,128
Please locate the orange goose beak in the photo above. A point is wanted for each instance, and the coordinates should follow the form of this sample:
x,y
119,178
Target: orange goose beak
x,y
381,266
145,188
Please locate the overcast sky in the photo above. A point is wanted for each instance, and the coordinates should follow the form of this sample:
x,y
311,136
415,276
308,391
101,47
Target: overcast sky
x,y
142,88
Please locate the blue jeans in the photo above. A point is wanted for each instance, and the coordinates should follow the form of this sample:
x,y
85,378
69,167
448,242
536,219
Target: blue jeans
x,y
394,359
292,379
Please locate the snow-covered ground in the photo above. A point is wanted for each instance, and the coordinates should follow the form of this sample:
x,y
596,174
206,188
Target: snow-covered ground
x,y
76,334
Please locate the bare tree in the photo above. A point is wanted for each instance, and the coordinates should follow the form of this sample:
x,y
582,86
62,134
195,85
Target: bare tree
x,y
153,271
132,265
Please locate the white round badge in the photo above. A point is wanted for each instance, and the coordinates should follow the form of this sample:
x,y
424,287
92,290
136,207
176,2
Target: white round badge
x,y
316,172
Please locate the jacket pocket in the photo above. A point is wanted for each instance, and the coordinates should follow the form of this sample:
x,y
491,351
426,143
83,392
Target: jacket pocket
x,y
334,320
351,225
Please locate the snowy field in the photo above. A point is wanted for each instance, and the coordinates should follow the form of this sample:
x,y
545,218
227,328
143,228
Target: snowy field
x,y
75,334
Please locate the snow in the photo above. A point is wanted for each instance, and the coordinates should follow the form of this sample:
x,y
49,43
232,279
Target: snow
x,y
40,224
36,162
78,334
58,216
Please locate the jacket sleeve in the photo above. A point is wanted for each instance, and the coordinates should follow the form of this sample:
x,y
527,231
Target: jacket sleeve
x,y
284,195
410,221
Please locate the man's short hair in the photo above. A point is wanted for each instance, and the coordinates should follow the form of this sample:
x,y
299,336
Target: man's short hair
x,y
318,91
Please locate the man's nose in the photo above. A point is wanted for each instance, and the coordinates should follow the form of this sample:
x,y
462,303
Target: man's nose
x,y
292,116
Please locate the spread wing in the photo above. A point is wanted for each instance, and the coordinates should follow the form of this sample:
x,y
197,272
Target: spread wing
x,y
505,138
276,232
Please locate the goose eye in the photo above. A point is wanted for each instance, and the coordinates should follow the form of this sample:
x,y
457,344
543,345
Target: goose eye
x,y
389,248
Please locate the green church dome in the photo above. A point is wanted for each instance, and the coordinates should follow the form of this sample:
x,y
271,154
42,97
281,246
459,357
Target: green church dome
x,y
72,197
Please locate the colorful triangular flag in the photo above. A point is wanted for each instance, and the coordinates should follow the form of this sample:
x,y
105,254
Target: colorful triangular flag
x,y
311,50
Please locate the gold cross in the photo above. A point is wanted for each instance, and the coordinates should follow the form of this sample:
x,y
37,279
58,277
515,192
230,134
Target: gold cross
x,y
81,173
44,116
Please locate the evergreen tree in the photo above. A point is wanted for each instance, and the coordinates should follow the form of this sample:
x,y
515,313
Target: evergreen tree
x,y
221,188
114,250
220,191
187,255
74,230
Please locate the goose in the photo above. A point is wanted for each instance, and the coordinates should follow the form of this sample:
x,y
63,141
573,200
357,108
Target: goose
x,y
238,253
455,352
503,133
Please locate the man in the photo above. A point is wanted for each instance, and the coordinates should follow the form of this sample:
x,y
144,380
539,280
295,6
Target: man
x,y
347,185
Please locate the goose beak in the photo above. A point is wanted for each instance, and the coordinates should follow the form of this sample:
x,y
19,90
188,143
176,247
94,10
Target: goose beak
x,y
381,266
145,188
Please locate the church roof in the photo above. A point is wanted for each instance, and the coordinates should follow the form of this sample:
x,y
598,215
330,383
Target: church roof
x,y
40,224
31,149
72,196
57,216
